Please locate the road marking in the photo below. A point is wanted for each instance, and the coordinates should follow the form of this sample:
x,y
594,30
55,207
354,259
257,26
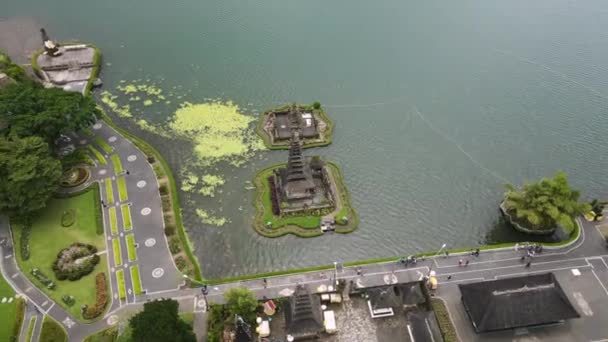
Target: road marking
x,y
582,303
8,256
44,303
15,275
601,284
68,322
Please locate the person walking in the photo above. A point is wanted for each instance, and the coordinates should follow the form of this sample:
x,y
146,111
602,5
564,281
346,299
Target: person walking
x,y
359,271
449,277
460,262
466,263
477,252
528,264
265,282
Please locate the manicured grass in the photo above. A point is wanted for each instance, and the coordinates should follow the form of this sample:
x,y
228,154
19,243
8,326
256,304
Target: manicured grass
x,y
30,329
113,221
102,160
108,335
120,278
109,191
116,248
7,311
104,145
116,162
122,188
52,331
135,280
48,237
126,217
131,247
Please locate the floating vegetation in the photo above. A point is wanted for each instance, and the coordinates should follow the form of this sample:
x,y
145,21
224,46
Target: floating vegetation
x,y
147,102
205,185
218,130
110,100
212,220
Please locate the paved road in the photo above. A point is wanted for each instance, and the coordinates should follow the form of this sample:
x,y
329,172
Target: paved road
x,y
142,189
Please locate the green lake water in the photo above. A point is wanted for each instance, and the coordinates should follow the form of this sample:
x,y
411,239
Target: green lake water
x,y
437,104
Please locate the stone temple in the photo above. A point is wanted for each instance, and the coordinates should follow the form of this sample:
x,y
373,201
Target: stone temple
x,y
304,184
294,118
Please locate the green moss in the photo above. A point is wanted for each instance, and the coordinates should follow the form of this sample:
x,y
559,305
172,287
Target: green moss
x,y
122,188
120,278
113,221
116,248
109,191
126,217
136,280
209,219
116,162
131,247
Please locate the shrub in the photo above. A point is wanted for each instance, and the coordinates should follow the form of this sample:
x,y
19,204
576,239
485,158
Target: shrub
x,y
316,105
166,202
164,190
101,298
68,300
180,262
43,278
68,218
174,246
151,159
24,242
443,319
66,265
169,229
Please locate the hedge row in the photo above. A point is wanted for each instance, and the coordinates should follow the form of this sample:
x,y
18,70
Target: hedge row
x,y
24,241
101,298
445,322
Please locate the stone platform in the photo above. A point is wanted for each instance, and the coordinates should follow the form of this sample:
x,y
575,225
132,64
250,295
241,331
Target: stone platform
x,y
71,70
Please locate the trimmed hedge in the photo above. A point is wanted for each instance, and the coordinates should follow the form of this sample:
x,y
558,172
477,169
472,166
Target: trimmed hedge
x,y
19,317
65,266
101,298
24,241
445,322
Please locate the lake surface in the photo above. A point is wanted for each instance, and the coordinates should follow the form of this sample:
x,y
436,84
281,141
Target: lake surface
x,y
437,104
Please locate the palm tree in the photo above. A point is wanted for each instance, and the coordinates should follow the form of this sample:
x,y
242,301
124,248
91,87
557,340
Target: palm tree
x,y
543,205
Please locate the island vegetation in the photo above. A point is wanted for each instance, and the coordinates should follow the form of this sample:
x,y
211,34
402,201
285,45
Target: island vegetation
x,y
540,207
159,322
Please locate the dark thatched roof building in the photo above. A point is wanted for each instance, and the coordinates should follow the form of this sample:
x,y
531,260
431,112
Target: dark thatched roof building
x,y
516,302
303,314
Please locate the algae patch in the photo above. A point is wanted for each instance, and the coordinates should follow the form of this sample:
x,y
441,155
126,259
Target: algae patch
x,y
209,219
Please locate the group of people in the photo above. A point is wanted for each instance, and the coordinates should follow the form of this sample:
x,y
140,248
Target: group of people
x,y
531,251
410,260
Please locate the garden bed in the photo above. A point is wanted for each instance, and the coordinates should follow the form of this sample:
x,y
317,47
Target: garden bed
x,y
47,237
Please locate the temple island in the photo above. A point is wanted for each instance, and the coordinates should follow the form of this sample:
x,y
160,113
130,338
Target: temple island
x,y
305,197
311,122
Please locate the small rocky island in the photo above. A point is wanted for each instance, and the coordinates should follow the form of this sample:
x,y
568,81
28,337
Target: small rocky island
x,y
311,122
305,197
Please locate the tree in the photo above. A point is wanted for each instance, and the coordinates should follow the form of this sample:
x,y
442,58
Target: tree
x,y
241,301
160,322
545,204
316,105
28,175
32,110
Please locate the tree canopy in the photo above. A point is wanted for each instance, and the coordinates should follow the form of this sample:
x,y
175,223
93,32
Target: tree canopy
x,y
160,322
32,110
28,175
241,301
545,204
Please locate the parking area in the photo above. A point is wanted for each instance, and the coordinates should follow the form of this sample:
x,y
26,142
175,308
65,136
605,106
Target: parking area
x,y
586,290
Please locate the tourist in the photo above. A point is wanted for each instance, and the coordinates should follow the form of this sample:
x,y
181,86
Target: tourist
x,y
265,282
466,263
359,273
516,247
460,262
528,264
523,257
447,254
477,252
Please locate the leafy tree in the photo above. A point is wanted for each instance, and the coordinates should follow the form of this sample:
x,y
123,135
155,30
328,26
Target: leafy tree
x,y
241,301
542,205
316,105
32,110
160,322
28,175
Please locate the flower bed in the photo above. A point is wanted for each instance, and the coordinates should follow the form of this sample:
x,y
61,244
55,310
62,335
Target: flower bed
x,y
43,279
101,298
76,261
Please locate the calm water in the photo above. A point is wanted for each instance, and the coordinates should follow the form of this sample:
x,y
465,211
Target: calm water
x,y
437,105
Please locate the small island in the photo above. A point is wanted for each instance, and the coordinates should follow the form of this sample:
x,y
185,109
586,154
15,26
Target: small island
x,y
311,122
305,197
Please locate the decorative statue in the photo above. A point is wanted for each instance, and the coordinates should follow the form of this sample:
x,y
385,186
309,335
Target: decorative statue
x,y
51,48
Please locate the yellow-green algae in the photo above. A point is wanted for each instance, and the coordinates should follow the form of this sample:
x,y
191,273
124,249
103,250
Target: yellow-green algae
x,y
110,100
218,130
212,220
205,185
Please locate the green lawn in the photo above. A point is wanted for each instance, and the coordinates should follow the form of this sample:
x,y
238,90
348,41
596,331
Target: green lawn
x,y
30,329
52,331
113,222
104,145
120,278
48,237
126,217
122,188
116,163
117,256
131,247
135,280
7,311
102,160
109,191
